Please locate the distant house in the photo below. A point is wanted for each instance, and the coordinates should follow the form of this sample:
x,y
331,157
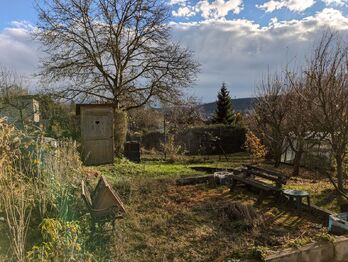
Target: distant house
x,y
317,153
20,110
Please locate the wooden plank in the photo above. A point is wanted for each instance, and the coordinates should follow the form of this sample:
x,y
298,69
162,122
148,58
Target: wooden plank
x,y
97,133
273,176
250,167
263,175
105,197
278,181
86,195
256,183
194,180
211,170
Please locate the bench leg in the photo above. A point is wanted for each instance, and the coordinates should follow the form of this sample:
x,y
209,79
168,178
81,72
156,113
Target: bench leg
x,y
233,185
298,203
261,197
279,197
292,200
308,201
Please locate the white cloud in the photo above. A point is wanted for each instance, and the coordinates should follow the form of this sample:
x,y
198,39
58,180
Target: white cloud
x,y
292,5
19,51
184,11
218,8
177,2
240,52
336,2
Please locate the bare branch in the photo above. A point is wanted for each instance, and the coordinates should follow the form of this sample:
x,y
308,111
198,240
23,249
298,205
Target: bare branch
x,y
121,47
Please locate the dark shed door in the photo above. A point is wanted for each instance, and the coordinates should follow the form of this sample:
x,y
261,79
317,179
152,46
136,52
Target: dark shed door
x,y
97,135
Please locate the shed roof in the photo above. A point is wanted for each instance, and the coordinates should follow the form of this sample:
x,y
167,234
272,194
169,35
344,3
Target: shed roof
x,y
78,106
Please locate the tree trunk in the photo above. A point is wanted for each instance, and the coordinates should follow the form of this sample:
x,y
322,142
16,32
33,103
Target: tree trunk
x,y
297,163
120,131
277,160
340,175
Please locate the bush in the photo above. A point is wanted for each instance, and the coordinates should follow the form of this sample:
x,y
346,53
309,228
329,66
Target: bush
x,y
37,181
212,140
61,242
16,199
206,140
152,140
254,146
171,150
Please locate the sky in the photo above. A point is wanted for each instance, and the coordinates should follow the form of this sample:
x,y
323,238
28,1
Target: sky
x,y
236,41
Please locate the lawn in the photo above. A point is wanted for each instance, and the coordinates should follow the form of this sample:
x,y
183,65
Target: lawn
x,y
166,222
318,185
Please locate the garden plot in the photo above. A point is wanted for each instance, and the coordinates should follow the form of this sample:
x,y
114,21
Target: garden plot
x,y
194,223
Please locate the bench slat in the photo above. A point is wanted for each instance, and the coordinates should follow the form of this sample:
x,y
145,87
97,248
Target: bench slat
x,y
256,183
270,172
250,174
279,180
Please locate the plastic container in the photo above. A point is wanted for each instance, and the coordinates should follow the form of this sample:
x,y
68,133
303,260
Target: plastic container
x,y
338,224
222,178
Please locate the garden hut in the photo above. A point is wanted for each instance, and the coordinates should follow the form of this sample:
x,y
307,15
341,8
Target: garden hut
x,y
97,133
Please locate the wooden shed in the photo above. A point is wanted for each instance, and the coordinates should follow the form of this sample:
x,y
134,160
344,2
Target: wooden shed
x,y
97,133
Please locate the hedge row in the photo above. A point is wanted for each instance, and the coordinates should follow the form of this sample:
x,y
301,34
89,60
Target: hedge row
x,y
205,140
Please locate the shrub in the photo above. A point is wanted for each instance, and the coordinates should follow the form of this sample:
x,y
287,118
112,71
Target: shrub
x,y
37,180
16,201
16,198
9,143
171,149
61,242
212,139
254,146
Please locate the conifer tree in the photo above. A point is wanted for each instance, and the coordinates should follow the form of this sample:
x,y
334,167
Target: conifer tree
x,y
224,113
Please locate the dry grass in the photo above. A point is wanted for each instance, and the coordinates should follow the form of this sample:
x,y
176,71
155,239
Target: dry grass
x,y
322,192
33,179
166,222
16,197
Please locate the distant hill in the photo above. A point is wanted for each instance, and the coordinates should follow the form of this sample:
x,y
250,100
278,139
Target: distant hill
x,y
240,105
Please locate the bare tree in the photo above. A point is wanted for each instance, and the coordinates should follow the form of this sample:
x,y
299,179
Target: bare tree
x,y
183,114
301,128
269,116
114,51
328,94
12,97
296,125
144,119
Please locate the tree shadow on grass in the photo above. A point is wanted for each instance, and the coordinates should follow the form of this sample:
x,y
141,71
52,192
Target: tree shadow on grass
x,y
185,223
326,197
277,213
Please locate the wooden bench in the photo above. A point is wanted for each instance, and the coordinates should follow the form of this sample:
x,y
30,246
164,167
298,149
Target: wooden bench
x,y
266,181
103,204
